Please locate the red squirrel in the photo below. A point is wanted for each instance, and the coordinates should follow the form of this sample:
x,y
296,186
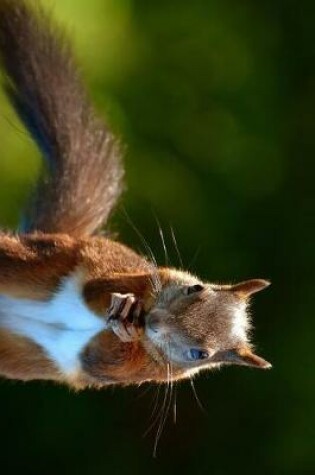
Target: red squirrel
x,y
77,307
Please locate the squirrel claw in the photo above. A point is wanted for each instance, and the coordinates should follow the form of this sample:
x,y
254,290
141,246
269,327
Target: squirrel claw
x,y
123,317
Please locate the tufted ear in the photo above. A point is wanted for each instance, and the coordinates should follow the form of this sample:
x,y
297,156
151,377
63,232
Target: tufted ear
x,y
243,356
248,287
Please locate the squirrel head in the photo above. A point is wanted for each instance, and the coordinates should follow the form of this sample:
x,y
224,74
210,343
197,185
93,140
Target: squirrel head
x,y
198,325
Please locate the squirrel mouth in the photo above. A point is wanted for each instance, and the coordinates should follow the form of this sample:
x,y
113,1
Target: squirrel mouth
x,y
152,328
152,323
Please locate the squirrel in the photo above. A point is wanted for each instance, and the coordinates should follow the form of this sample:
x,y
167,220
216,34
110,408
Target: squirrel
x,y
77,307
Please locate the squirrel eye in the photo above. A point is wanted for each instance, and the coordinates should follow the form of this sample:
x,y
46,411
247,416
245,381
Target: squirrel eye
x,y
194,354
193,289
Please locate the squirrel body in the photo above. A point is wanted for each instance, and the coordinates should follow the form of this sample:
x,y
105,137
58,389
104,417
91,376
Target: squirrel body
x,y
75,306
54,292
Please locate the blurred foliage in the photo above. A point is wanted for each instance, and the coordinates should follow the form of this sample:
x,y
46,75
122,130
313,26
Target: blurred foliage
x,y
215,101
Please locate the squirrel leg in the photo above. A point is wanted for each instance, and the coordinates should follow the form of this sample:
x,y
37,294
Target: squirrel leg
x,y
124,317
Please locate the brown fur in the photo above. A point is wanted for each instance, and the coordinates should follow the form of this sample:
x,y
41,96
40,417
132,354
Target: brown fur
x,y
108,360
22,359
31,266
97,291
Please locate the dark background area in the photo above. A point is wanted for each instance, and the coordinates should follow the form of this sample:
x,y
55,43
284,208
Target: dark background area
x,y
215,103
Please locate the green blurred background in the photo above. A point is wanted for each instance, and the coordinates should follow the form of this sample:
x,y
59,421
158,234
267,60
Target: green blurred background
x,y
215,101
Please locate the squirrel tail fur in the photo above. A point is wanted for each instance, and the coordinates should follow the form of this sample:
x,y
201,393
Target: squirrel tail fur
x,y
82,170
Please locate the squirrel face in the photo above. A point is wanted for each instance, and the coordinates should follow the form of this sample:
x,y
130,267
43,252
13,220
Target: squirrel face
x,y
199,325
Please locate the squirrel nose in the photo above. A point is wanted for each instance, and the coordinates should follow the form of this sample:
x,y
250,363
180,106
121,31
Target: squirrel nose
x,y
154,323
158,320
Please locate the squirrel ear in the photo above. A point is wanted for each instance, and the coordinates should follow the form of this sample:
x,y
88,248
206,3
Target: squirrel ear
x,y
249,287
248,358
244,356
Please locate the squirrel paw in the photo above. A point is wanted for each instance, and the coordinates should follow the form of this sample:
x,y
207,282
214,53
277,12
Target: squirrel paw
x,y
123,319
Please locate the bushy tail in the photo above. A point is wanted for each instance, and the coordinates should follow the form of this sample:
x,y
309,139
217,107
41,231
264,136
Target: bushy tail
x,y
82,176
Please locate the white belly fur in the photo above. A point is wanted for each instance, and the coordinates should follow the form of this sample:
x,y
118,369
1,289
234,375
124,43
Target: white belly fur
x,y
62,326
